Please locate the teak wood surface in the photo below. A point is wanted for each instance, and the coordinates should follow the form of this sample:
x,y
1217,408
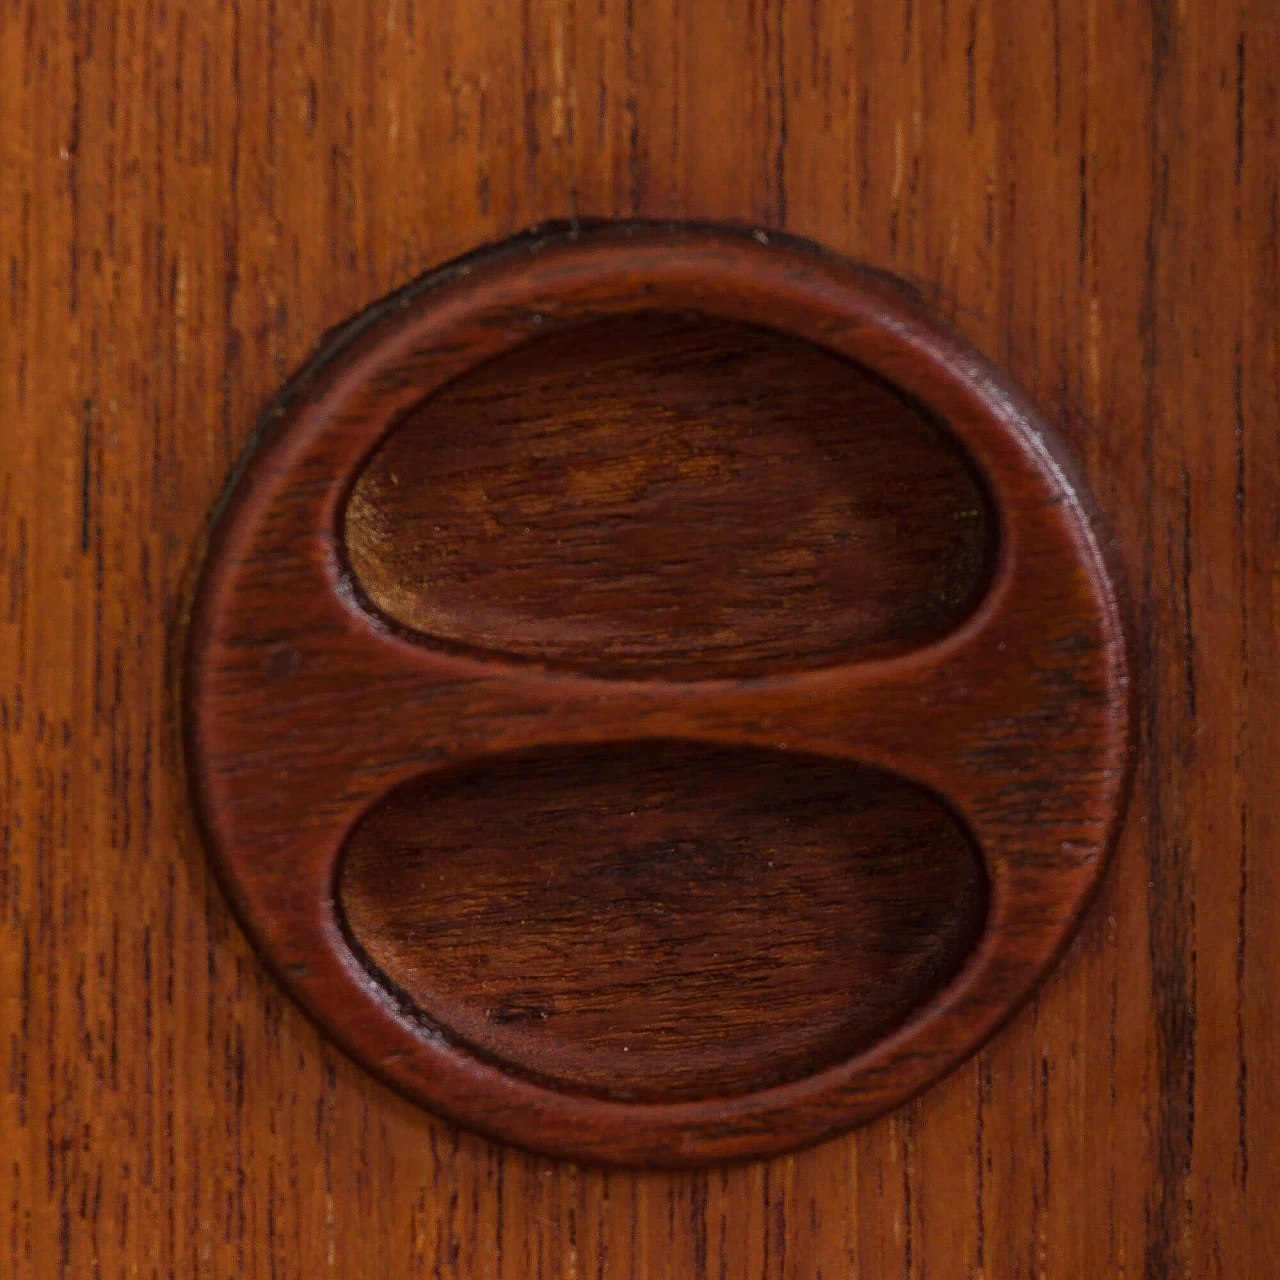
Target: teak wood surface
x,y
189,194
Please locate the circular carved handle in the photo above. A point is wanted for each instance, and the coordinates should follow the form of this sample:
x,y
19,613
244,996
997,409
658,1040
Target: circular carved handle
x,y
655,695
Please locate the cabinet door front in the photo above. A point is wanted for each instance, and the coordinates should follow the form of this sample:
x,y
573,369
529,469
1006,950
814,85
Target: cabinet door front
x,y
194,197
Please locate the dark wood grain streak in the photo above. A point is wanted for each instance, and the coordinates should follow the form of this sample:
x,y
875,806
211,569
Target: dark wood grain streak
x,y
228,180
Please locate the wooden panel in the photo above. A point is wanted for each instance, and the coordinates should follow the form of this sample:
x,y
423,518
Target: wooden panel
x,y
190,194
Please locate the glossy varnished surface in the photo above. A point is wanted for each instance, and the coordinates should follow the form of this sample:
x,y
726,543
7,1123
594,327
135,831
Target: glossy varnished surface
x,y
675,496
192,193
658,920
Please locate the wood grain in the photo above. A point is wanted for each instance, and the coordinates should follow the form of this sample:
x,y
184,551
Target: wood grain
x,y
189,193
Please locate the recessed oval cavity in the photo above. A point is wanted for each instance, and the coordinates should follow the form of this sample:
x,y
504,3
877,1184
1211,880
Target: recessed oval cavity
x,y
671,496
663,920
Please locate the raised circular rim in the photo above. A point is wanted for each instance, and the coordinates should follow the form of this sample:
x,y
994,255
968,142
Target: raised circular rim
x,y
732,274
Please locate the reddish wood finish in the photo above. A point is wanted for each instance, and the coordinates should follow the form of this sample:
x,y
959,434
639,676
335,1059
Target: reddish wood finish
x,y
305,709
192,190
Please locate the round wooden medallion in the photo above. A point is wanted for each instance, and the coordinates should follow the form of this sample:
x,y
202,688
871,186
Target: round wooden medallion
x,y
655,695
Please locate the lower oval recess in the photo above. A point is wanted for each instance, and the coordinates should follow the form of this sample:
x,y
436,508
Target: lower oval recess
x,y
662,920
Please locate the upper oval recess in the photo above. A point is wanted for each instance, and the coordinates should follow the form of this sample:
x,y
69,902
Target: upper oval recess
x,y
669,496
